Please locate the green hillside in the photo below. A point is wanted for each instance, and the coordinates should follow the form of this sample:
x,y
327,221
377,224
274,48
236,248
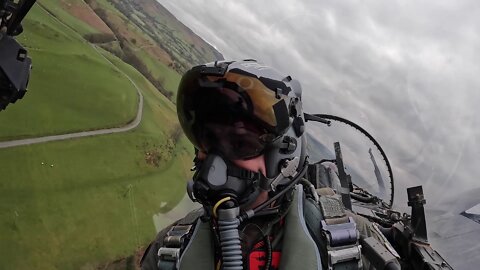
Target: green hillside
x,y
91,200
71,88
151,39
83,203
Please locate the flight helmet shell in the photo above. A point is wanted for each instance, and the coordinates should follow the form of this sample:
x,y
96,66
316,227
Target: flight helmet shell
x,y
242,109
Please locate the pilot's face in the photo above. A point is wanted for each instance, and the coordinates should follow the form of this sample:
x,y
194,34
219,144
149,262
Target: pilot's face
x,y
256,164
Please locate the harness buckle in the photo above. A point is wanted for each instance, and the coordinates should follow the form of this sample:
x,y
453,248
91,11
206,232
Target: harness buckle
x,y
342,243
169,254
341,234
173,244
344,255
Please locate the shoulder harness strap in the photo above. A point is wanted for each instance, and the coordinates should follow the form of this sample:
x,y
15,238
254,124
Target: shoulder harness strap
x,y
337,236
340,234
176,240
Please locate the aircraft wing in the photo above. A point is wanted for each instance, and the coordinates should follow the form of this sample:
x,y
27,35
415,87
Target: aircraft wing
x,y
456,236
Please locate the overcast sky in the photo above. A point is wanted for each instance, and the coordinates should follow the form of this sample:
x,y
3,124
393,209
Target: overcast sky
x,y
408,71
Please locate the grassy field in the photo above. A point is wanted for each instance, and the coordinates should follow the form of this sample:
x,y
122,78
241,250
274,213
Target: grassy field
x,y
60,9
97,201
80,203
71,88
170,77
163,44
56,218
83,203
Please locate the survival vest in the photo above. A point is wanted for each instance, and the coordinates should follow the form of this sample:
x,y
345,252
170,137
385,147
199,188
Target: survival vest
x,y
317,235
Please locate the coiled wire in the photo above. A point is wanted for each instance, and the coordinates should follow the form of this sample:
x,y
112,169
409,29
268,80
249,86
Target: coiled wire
x,y
230,244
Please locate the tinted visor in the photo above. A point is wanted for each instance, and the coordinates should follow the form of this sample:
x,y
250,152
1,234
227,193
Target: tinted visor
x,y
234,115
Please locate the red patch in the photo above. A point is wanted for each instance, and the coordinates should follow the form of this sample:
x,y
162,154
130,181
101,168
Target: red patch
x,y
259,258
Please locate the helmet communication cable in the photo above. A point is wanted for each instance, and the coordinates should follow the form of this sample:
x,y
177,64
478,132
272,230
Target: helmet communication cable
x,y
251,213
229,220
218,204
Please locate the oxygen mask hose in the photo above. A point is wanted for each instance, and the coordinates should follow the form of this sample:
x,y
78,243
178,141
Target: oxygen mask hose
x,y
229,235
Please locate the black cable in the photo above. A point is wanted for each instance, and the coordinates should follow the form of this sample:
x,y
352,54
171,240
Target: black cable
x,y
277,237
362,197
268,230
269,252
266,239
268,212
290,186
381,221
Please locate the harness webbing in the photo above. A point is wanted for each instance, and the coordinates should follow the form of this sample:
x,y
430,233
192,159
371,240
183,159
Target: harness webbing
x,y
335,237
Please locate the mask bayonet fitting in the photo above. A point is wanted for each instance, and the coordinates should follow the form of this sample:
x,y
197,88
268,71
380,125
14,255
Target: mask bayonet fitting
x,y
288,170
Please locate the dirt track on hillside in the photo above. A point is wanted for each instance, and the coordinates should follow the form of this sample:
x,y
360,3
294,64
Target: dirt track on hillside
x,y
127,127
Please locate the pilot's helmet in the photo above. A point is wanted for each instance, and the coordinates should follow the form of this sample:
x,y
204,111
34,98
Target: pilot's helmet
x,y
242,109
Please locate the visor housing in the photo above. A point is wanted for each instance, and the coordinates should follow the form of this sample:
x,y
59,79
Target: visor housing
x,y
234,114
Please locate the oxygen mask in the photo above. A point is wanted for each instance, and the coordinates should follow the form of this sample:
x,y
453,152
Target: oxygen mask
x,y
216,179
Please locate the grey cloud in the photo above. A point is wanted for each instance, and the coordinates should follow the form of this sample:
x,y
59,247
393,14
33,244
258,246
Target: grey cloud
x,y
405,70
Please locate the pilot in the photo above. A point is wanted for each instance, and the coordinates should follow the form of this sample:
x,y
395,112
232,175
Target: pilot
x,y
258,211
